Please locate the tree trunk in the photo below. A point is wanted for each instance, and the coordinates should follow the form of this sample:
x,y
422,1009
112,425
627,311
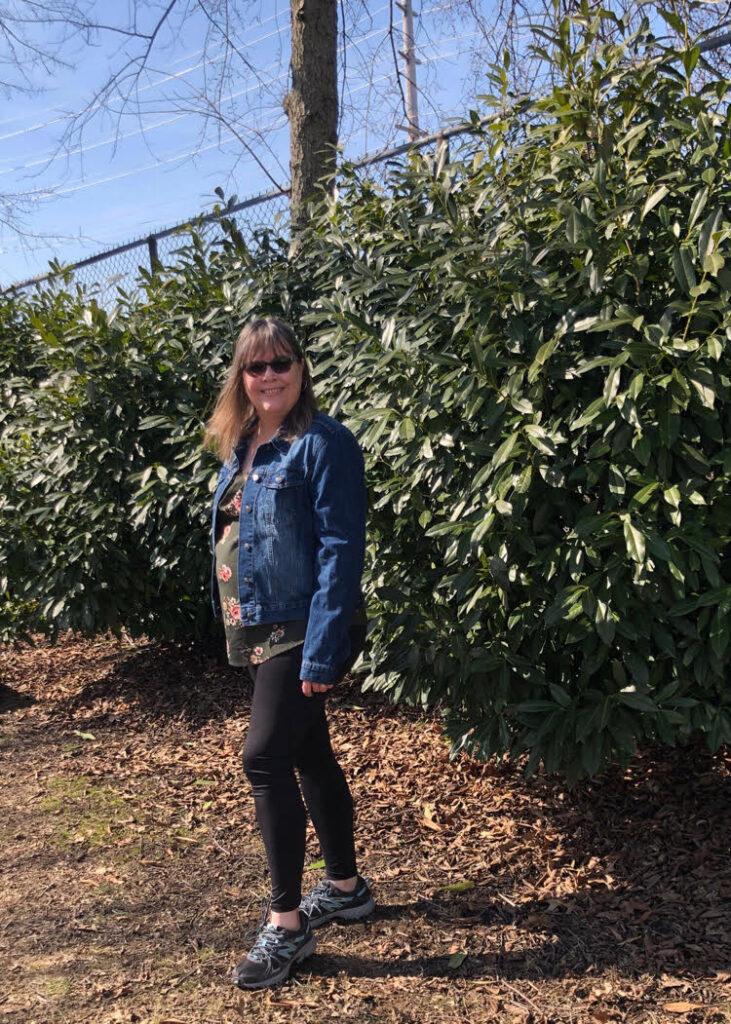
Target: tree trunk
x,y
312,103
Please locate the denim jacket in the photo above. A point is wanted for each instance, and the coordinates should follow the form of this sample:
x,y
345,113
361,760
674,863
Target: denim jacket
x,y
301,539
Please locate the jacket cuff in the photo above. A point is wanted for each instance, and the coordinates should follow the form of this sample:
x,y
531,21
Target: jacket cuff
x,y
315,672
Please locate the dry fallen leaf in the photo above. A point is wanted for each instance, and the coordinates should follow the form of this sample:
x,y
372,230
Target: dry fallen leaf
x,y
647,837
431,824
429,818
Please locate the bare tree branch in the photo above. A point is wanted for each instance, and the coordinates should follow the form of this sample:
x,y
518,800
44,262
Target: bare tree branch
x,y
231,92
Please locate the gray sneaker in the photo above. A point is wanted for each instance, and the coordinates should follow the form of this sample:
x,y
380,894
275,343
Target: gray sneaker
x,y
274,954
328,903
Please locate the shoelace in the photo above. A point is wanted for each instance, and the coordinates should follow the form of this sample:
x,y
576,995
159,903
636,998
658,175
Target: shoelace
x,y
321,892
264,935
265,946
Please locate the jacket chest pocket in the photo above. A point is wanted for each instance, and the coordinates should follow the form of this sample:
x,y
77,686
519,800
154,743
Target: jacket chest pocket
x,y
283,496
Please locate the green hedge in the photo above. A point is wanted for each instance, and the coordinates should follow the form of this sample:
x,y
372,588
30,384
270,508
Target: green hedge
x,y
530,337
535,345
104,490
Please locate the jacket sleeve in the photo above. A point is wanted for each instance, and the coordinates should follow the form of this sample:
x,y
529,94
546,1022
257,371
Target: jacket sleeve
x,y
338,496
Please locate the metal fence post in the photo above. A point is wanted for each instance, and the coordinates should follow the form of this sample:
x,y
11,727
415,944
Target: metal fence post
x,y
152,250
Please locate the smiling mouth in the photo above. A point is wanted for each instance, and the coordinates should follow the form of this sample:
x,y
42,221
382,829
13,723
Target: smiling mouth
x,y
271,391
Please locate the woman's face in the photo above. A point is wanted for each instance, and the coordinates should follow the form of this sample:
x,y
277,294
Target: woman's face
x,y
273,394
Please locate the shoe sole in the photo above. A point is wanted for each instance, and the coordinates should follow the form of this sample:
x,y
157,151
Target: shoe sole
x,y
346,914
284,973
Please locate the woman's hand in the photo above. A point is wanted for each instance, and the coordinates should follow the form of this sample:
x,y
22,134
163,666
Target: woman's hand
x,y
308,688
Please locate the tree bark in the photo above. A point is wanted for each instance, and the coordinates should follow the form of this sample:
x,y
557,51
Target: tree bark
x,y
312,103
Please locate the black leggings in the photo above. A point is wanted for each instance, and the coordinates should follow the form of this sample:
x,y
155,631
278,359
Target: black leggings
x,y
286,731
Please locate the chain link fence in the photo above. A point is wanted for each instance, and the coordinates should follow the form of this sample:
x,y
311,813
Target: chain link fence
x,y
119,268
108,272
105,274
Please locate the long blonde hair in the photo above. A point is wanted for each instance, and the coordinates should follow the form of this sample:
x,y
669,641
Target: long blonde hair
x,y
233,416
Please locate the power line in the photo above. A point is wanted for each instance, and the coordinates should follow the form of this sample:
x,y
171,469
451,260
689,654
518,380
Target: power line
x,y
462,128
114,140
145,88
141,131
706,46
194,67
80,185
448,39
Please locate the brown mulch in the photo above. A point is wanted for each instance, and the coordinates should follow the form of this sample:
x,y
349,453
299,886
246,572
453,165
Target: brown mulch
x,y
131,866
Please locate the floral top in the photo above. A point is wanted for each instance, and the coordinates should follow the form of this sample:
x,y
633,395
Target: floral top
x,y
245,645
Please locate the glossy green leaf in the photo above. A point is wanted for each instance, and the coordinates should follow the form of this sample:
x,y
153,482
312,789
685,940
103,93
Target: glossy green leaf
x,y
457,887
710,226
653,199
604,622
634,540
684,270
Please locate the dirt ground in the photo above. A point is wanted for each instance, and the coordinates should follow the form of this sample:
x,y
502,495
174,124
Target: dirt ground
x,y
131,868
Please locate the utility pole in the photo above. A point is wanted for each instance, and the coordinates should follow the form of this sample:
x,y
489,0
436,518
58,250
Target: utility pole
x,y
412,99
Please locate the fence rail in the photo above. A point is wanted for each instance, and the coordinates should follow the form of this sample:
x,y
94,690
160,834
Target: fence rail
x,y
119,266
262,210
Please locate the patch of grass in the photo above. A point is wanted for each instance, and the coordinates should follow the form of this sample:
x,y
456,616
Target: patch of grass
x,y
106,889
85,811
55,986
61,789
166,964
205,953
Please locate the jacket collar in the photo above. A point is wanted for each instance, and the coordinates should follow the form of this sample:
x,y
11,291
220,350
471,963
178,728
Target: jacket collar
x,y
277,442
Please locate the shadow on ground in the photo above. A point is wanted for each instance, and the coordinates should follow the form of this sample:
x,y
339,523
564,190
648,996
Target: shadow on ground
x,y
623,880
12,700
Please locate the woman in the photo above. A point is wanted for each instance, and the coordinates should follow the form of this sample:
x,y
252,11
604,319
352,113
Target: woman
x,y
288,538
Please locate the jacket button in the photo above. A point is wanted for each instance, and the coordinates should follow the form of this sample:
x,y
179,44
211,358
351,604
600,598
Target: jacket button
x,y
279,479
247,546
255,477
247,508
246,579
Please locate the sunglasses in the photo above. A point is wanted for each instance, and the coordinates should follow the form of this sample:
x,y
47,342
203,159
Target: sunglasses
x,y
259,366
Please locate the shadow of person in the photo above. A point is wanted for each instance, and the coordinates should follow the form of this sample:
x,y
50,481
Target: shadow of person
x,y
480,965
629,871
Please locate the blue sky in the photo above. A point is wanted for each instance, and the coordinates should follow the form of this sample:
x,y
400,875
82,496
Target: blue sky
x,y
145,169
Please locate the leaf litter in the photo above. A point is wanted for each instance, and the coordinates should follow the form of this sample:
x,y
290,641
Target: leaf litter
x,y
132,866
